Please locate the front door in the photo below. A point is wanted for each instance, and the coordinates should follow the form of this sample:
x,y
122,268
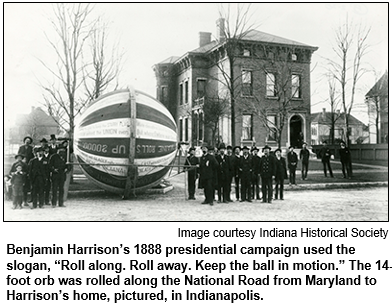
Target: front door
x,y
296,133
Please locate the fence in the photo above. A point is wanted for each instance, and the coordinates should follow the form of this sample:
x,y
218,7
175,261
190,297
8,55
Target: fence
x,y
360,151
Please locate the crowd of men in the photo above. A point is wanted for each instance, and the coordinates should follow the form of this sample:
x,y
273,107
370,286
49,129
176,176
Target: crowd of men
x,y
218,169
39,171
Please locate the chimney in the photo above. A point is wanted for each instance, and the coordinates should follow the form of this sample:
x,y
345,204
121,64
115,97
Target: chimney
x,y
220,29
204,38
324,115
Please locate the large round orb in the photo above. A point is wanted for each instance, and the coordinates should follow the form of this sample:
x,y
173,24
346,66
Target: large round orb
x,y
121,130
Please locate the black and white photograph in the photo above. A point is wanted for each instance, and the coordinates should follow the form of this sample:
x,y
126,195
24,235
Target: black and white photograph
x,y
195,111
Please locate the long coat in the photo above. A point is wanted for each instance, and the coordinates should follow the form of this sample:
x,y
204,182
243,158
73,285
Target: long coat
x,y
208,168
224,169
27,151
267,167
292,160
192,171
36,169
281,170
345,155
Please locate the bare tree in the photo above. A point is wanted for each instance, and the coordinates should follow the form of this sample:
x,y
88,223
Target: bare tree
x,y
82,72
334,104
72,28
350,47
214,109
232,28
105,63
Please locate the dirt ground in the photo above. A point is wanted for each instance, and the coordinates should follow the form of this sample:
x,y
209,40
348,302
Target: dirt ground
x,y
367,204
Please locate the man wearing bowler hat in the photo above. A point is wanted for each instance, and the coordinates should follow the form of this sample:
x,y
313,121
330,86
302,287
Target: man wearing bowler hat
x,y
27,151
267,172
255,177
292,161
235,166
37,173
224,175
192,167
246,172
58,169
208,173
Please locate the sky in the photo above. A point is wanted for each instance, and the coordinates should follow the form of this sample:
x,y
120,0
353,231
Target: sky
x,y
150,33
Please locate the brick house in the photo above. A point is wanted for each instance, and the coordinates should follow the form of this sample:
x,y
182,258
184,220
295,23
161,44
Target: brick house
x,y
186,83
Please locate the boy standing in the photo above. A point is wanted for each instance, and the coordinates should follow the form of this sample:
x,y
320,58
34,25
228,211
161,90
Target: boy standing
x,y
18,180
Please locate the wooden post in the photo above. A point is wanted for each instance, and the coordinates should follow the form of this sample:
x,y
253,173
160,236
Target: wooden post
x,y
132,172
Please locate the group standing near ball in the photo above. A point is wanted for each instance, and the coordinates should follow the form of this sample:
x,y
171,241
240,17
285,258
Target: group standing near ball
x,y
218,169
39,171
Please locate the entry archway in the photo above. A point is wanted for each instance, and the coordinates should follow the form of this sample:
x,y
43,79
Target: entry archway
x,y
296,131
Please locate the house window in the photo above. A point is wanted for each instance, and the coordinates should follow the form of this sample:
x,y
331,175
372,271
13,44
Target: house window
x,y
271,123
186,92
186,129
201,88
181,94
180,129
246,52
271,88
296,86
164,94
247,131
201,125
314,131
247,83
294,57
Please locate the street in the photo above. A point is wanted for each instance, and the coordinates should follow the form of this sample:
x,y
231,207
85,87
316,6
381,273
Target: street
x,y
365,204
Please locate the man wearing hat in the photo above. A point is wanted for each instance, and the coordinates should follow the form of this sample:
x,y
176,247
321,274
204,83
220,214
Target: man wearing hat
x,y
52,146
325,154
230,155
267,172
58,169
44,143
292,161
37,174
304,155
224,175
48,185
345,160
192,167
280,174
255,177
246,172
235,163
27,149
208,173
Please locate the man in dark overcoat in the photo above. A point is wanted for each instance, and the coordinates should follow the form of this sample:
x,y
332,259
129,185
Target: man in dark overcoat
x,y
246,172
304,155
58,169
280,174
48,183
235,165
191,166
27,151
53,147
229,150
208,174
255,177
292,161
37,174
325,154
345,159
224,174
267,172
